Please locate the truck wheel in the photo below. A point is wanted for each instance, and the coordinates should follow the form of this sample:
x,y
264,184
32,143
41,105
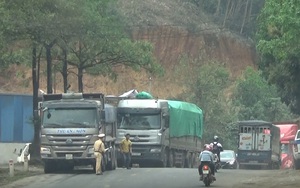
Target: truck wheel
x,y
94,167
109,165
297,164
115,163
171,159
189,160
48,167
164,162
103,166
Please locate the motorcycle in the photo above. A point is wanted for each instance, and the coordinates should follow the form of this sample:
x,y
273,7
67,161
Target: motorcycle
x,y
207,175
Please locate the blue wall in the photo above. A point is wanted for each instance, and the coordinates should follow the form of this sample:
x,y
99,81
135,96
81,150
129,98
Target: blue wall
x,y
15,118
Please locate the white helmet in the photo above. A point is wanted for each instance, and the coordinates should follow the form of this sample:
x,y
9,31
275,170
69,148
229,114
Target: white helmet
x,y
216,138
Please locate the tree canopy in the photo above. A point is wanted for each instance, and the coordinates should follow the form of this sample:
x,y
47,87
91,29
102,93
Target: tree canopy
x,y
85,34
278,42
254,98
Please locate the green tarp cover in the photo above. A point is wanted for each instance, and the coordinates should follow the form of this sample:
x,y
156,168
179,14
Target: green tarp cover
x,y
186,119
143,95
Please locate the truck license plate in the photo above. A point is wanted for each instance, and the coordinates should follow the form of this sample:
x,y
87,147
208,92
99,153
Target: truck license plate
x,y
205,172
136,154
69,156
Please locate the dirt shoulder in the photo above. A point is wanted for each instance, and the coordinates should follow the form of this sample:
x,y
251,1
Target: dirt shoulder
x,y
19,173
274,179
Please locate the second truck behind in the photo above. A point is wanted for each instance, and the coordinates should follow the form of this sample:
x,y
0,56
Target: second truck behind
x,y
163,132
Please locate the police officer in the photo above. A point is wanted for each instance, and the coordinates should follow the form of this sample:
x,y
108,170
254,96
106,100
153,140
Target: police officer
x,y
126,150
99,150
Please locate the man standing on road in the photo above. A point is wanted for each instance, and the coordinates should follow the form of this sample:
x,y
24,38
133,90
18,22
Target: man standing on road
x,y
99,150
126,150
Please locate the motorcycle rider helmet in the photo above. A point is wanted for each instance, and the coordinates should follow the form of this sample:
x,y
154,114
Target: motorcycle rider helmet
x,y
216,138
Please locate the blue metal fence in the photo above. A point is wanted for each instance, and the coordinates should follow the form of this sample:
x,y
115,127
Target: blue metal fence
x,y
16,118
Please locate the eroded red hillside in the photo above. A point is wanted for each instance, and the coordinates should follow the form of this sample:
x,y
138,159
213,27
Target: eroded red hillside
x,y
169,44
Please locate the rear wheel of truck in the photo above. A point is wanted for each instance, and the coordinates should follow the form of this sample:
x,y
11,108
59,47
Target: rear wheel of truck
x,y
171,159
188,160
103,165
164,162
297,164
115,164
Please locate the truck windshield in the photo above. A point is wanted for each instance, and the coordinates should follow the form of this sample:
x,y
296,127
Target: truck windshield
x,y
70,118
139,121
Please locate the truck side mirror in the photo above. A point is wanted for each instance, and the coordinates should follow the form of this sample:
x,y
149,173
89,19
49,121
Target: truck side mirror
x,y
20,151
167,120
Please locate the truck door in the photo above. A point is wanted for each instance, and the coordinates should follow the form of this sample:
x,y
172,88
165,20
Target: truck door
x,y
263,139
247,138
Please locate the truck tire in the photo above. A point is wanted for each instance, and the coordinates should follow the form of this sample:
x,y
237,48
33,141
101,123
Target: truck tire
x,y
171,159
164,162
48,167
297,164
115,163
103,164
189,160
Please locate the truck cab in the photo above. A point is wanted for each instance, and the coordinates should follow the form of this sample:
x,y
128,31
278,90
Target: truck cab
x,y
70,123
296,150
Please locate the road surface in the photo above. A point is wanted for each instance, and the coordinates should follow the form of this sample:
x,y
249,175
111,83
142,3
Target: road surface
x,y
158,178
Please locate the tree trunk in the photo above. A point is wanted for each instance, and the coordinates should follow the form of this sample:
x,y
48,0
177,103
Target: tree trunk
x,y
49,69
80,76
245,16
226,13
35,147
250,11
217,13
39,67
65,71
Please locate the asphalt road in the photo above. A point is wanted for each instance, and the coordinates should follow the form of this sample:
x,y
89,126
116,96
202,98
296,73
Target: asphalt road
x,y
137,178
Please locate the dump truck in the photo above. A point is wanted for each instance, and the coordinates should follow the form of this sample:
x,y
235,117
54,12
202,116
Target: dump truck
x,y
288,131
259,144
164,133
70,124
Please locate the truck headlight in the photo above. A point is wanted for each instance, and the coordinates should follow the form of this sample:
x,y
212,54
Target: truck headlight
x,y
91,150
231,162
155,150
45,150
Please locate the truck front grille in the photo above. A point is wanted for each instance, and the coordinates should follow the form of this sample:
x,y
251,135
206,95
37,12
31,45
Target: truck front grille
x,y
69,144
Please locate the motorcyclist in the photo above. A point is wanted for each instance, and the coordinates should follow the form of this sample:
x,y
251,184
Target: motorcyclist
x,y
216,147
206,157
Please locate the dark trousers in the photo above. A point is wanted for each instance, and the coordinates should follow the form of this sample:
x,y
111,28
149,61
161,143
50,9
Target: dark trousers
x,y
218,154
210,164
127,159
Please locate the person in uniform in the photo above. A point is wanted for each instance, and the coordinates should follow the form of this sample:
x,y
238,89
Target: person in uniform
x,y
126,150
99,150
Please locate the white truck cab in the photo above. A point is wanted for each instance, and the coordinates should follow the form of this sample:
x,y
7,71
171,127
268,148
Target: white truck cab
x,y
296,150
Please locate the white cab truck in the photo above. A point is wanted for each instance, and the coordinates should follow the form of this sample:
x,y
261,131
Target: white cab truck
x,y
296,150
259,144
163,132
70,123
